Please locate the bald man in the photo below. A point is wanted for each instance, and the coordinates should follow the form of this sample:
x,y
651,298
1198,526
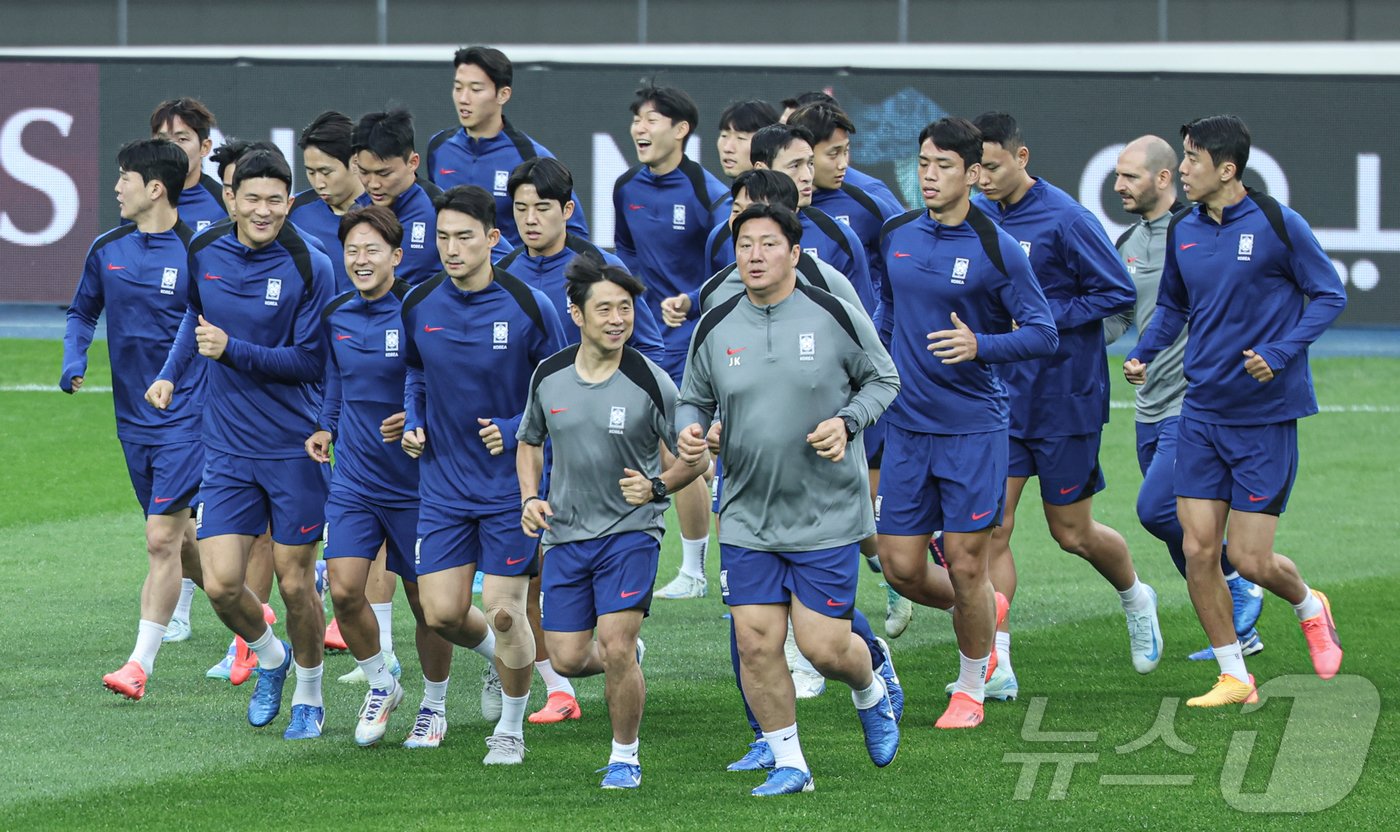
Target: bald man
x,y
1146,184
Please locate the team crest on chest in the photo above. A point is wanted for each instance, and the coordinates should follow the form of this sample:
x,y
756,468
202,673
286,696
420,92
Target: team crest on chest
x,y
500,335
810,251
1026,247
617,420
678,217
846,218
502,178
960,271
201,225
418,235
167,280
391,343
1246,249
807,346
274,291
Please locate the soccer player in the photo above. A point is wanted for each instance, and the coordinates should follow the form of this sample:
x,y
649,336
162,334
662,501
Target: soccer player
x,y
327,154
488,147
610,410
474,336
1258,289
382,143
1059,404
257,293
951,268
737,124
665,207
187,122
795,502
138,273
1146,182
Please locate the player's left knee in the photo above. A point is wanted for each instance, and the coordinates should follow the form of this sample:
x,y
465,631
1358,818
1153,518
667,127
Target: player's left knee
x,y
515,643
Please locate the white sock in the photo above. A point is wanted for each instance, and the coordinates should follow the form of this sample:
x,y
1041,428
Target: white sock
x,y
512,719
693,556
487,648
434,695
148,636
376,669
269,650
1231,576
871,695
1134,598
787,749
1311,606
1231,660
972,677
624,753
554,683
1004,650
308,690
182,607
384,614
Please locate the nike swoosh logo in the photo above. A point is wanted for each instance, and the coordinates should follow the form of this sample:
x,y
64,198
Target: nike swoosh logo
x,y
427,328
516,561
630,594
976,517
446,171
832,602
113,267
1185,246
900,254
1155,654
311,528
208,276
632,207
1070,490
341,337
732,351
789,736
160,500
557,409
1254,499
1132,259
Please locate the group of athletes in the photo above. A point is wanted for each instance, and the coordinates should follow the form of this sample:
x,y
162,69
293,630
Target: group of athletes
x,y
424,365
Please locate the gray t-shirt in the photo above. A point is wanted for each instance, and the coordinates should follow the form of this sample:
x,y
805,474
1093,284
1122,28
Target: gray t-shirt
x,y
1144,250
776,372
596,431
811,271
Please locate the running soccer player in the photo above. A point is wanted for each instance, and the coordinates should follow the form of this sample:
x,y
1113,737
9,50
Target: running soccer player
x,y
257,293
327,152
791,529
1059,404
950,267
488,147
610,411
1257,288
138,273
664,207
387,164
1145,179
737,124
187,123
474,336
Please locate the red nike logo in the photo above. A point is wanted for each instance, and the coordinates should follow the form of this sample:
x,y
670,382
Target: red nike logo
x,y
634,207
1132,259
630,594
113,267
832,602
733,350
208,276
160,500
900,254
311,528
341,337
516,561
976,517
553,410
446,171
1185,246
427,328
1070,490
1254,499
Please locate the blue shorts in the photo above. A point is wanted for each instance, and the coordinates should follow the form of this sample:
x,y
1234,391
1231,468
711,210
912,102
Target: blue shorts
x,y
494,543
590,578
356,527
1068,466
243,495
874,437
165,477
1252,467
956,483
716,487
824,580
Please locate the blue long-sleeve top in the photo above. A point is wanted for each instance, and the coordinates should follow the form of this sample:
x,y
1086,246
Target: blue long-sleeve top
x,y
976,270
264,393
470,356
142,281
1084,281
547,275
454,158
1241,287
414,208
203,205
315,219
865,204
364,386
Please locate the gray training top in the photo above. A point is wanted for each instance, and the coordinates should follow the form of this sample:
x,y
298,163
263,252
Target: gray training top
x,y
597,430
811,271
776,372
1144,250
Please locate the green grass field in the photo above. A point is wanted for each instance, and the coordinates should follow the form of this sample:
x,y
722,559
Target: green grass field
x,y
77,757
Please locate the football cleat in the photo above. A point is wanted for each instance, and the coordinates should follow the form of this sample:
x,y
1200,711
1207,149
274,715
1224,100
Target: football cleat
x,y
491,693
334,641
1227,691
245,663
177,630
892,685
129,680
785,780
306,722
504,750
899,611
225,665
1247,601
358,677
621,776
1324,647
1145,635
374,714
429,728
558,707
758,758
1002,686
963,712
266,701
881,731
684,585
1249,643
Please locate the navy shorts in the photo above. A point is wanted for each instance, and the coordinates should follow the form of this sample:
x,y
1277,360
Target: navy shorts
x,y
165,477
1252,467
1068,466
956,483
243,495
494,543
875,437
584,580
824,580
356,528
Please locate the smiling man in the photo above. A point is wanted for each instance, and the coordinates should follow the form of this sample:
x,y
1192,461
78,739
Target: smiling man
x,y
382,144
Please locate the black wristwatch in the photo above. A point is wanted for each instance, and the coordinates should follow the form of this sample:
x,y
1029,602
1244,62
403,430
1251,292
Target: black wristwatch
x,y
658,489
852,427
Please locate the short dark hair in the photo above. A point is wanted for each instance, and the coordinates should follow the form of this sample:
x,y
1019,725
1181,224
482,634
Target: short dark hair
x,y
956,134
766,186
471,200
491,61
786,220
822,119
228,153
550,177
767,143
156,160
330,133
586,270
388,135
189,110
261,164
1224,137
1000,128
814,97
378,217
670,102
748,116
